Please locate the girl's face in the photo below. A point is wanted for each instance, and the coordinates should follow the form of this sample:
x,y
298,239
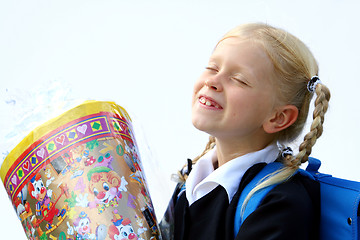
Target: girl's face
x,y
234,96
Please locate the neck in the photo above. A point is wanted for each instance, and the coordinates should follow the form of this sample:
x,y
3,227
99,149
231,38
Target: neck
x,y
229,149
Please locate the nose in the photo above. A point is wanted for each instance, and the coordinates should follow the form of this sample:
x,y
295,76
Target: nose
x,y
42,190
132,235
214,83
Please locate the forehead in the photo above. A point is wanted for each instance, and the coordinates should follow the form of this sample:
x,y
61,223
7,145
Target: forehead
x,y
243,54
241,47
84,220
125,228
37,182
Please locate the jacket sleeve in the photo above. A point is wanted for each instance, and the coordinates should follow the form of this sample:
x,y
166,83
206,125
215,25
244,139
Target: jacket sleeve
x,y
290,211
166,224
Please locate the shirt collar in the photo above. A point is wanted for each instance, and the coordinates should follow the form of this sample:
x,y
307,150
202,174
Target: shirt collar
x,y
204,178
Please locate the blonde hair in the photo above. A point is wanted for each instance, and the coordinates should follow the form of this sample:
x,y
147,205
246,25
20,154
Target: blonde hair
x,y
294,66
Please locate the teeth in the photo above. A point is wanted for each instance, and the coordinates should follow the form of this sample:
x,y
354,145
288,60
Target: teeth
x,y
208,103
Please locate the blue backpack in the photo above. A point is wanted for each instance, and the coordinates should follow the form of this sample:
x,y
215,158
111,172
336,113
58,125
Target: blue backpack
x,y
339,202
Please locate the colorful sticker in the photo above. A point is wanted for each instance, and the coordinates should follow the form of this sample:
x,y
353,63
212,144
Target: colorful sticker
x,y
83,180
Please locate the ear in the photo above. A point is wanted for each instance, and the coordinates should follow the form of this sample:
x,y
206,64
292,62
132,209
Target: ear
x,y
114,179
282,118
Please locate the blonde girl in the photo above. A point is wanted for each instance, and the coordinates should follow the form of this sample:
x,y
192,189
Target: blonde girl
x,y
253,97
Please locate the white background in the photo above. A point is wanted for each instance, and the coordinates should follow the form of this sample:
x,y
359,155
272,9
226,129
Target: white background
x,y
146,55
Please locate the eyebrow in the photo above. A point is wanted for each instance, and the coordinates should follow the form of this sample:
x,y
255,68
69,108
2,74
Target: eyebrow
x,y
249,75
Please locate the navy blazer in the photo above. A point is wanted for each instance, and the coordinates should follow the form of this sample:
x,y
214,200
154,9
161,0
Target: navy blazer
x,y
289,211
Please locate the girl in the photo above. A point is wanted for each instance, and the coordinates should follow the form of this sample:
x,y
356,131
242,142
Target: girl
x,y
253,97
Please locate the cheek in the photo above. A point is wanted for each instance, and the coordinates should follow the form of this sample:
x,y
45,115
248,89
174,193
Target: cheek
x,y
113,191
199,83
197,87
255,107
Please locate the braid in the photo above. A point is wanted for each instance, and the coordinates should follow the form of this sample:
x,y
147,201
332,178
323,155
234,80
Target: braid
x,y
182,174
316,129
293,163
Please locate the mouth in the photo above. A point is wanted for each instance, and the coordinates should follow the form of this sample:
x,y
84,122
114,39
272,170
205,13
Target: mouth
x,y
105,200
209,102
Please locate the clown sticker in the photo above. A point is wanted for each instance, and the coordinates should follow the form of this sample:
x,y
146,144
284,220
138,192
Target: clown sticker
x,y
82,179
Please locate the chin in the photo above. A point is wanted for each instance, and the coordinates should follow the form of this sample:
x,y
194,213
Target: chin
x,y
197,123
202,126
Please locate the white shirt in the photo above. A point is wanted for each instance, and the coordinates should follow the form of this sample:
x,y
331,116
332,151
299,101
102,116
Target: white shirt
x,y
203,178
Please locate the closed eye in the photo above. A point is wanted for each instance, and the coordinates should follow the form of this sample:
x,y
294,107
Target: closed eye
x,y
240,81
211,68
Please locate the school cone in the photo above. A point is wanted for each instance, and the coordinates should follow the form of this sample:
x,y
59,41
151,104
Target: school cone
x,y
79,176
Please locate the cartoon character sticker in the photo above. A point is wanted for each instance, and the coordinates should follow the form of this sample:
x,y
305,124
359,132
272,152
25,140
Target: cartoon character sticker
x,y
45,207
81,227
122,229
89,187
106,187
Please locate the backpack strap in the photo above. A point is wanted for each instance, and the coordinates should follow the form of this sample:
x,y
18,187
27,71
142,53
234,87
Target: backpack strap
x,y
255,200
311,172
181,188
